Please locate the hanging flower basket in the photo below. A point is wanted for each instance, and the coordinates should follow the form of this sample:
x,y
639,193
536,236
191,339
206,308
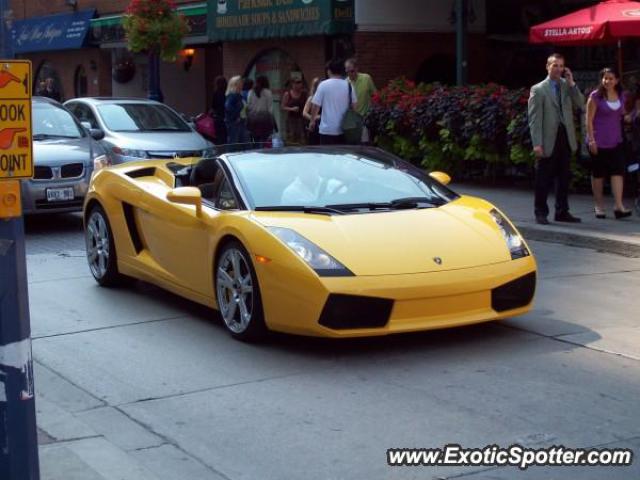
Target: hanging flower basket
x,y
154,26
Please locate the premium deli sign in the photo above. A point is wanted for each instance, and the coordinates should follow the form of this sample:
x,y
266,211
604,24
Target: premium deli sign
x,y
255,19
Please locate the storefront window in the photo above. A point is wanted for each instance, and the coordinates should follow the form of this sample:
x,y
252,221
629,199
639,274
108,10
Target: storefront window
x,y
47,82
278,66
80,82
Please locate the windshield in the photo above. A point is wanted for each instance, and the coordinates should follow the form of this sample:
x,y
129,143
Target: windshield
x,y
50,121
141,117
337,180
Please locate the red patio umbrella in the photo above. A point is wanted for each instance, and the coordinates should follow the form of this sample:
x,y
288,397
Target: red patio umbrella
x,y
605,22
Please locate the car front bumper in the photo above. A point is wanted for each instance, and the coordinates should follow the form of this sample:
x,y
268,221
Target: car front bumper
x,y
381,305
34,194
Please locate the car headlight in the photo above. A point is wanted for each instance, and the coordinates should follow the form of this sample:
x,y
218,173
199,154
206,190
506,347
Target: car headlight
x,y
209,152
515,243
100,162
323,263
128,152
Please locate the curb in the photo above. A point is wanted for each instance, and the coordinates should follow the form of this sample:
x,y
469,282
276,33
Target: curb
x,y
577,239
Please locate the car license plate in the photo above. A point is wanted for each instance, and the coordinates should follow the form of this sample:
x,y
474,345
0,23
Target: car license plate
x,y
59,194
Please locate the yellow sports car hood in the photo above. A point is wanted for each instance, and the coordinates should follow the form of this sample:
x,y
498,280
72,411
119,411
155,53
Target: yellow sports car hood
x,y
455,236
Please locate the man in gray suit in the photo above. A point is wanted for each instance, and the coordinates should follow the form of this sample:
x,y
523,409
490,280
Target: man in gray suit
x,y
553,134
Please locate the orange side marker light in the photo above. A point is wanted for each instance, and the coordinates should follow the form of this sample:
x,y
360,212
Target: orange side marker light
x,y
261,259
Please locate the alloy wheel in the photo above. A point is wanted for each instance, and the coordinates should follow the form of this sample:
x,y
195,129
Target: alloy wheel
x,y
234,288
97,239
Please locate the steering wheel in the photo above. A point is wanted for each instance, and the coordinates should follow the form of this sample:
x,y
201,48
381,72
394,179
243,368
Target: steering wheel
x,y
336,187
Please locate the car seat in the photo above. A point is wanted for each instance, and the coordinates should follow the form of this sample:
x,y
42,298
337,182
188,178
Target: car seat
x,y
203,175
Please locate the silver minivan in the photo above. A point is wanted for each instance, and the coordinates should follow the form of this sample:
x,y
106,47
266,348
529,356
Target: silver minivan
x,y
136,128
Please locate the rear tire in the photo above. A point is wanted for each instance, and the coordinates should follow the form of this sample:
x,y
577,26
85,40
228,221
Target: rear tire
x,y
238,294
101,249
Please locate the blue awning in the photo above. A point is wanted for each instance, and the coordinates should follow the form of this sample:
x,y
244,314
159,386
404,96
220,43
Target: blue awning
x,y
54,32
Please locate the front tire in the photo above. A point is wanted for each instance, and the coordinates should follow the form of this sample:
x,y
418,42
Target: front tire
x,y
101,249
238,293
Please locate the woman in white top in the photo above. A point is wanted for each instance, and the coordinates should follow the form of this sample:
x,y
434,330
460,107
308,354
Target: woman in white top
x,y
260,110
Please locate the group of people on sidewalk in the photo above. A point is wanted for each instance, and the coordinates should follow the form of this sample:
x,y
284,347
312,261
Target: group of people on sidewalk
x,y
332,112
552,103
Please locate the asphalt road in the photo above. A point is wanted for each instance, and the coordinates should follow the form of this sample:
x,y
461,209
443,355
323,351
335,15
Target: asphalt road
x,y
139,384
53,233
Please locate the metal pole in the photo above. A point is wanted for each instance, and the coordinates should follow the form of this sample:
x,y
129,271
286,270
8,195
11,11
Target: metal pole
x,y
155,92
620,59
18,434
18,431
461,42
3,27
6,34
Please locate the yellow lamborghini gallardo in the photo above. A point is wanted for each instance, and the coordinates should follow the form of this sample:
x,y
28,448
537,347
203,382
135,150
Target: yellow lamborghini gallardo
x,y
321,241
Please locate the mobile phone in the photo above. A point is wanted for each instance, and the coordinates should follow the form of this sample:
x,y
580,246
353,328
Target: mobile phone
x,y
564,73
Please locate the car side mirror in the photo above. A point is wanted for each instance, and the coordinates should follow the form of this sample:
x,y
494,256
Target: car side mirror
x,y
187,196
96,133
441,177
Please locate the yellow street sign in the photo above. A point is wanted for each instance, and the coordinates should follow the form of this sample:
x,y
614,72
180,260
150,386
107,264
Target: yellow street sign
x,y
16,148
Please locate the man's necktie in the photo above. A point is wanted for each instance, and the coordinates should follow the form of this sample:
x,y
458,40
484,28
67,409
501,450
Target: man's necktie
x,y
558,89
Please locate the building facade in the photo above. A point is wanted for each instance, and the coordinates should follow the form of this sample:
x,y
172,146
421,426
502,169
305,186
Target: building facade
x,y
417,39
83,48
81,44
276,38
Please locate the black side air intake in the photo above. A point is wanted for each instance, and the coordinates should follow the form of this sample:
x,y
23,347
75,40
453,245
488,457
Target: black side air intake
x,y
132,227
343,312
142,172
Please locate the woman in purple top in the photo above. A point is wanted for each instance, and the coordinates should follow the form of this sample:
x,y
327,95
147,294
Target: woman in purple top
x,y
605,114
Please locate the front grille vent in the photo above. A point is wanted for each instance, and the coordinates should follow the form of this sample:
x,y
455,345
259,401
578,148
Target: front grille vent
x,y
42,173
72,170
342,312
515,294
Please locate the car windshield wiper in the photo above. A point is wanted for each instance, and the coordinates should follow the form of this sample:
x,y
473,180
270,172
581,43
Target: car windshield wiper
x,y
298,208
397,204
44,136
415,202
357,206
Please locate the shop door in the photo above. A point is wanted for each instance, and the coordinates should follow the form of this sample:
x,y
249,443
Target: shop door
x,y
279,68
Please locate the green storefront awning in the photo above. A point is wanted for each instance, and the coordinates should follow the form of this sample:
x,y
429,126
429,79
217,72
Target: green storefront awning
x,y
187,10
256,19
